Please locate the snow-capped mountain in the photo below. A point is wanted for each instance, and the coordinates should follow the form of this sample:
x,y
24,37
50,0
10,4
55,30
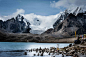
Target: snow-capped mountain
x,y
38,23
69,22
15,25
64,15
76,10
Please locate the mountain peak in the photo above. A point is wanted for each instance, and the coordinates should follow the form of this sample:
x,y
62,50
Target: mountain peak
x,y
75,10
19,17
16,24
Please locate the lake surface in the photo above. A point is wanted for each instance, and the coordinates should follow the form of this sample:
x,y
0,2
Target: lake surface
x,y
9,49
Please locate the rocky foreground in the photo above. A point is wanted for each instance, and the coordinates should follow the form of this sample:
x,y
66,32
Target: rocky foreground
x,y
74,50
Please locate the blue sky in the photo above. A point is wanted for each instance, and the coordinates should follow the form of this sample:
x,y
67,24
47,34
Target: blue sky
x,y
39,7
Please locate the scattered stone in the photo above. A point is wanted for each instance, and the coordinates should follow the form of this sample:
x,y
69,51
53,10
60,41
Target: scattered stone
x,y
31,50
53,56
62,55
25,53
40,48
39,51
38,54
75,55
49,53
69,54
41,54
71,50
34,54
70,45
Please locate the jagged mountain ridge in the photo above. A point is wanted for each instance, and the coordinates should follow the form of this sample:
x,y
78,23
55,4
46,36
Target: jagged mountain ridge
x,y
65,14
71,24
15,25
68,23
36,22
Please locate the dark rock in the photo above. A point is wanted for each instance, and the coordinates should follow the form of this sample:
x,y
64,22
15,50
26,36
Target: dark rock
x,y
34,54
41,54
49,53
40,51
75,55
40,48
62,55
25,53
53,56
70,45
31,50
77,41
38,54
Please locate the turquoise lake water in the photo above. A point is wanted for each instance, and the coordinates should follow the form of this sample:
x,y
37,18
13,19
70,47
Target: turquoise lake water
x,y
7,48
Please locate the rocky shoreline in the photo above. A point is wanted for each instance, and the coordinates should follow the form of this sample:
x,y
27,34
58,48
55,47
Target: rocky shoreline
x,y
75,50
72,50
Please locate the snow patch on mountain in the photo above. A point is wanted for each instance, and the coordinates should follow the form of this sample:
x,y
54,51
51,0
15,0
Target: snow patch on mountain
x,y
41,23
76,10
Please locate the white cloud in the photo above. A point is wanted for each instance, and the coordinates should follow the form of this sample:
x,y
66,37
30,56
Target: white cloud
x,y
68,3
19,11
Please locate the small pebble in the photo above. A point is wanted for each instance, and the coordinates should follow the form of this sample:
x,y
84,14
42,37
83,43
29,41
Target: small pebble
x,y
25,53
34,54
